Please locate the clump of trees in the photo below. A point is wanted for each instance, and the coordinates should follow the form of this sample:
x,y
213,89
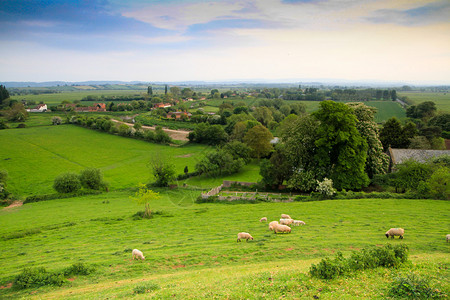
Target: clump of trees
x,y
70,182
338,141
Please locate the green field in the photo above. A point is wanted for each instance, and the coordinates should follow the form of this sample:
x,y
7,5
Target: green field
x,y
34,156
57,98
387,110
191,249
442,99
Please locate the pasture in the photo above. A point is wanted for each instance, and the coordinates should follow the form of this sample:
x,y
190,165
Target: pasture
x,y
34,156
191,249
442,99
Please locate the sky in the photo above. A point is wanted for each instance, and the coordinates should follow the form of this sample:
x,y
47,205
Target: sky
x,y
206,40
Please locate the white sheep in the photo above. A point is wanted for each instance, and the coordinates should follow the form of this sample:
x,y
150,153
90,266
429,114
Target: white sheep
x,y
448,237
297,223
283,216
244,235
281,228
395,232
137,254
286,221
272,224
263,219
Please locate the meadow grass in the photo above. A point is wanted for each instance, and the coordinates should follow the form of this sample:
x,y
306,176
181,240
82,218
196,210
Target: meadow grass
x,y
34,156
191,249
386,110
442,99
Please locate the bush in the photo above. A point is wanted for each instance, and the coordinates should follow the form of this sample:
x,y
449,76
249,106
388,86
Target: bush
x,y
326,187
36,277
56,120
67,183
91,178
78,269
388,257
413,286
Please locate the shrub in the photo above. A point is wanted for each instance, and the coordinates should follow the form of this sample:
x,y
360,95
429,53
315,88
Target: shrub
x,y
36,277
439,183
413,286
67,183
388,256
21,125
56,120
326,187
78,269
91,178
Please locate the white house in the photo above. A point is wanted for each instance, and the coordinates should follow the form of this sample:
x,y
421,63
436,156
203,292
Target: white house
x,y
39,108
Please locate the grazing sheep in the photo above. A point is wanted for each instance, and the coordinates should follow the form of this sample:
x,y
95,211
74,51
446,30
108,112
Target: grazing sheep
x,y
448,237
244,235
286,221
283,216
395,232
137,254
281,228
272,224
264,219
297,223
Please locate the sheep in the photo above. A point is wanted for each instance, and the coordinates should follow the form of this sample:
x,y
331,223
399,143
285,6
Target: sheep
x,y
286,221
283,216
281,228
244,235
395,232
137,254
272,224
297,223
263,219
448,237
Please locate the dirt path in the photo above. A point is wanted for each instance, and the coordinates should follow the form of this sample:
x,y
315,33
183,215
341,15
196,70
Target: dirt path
x,y
179,135
14,204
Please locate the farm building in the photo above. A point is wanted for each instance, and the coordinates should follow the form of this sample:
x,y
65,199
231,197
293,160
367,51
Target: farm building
x,y
39,108
179,115
398,156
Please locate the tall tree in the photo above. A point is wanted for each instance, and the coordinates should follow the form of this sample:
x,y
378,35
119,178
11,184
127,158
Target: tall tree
x,y
258,139
4,94
377,161
150,91
341,149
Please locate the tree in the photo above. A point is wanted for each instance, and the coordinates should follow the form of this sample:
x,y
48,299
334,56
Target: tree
x,y
187,93
145,196
341,149
67,183
258,139
3,178
17,113
4,94
150,91
91,178
56,120
165,89
163,172
394,135
377,161
393,95
424,110
263,115
175,91
219,162
186,170
238,149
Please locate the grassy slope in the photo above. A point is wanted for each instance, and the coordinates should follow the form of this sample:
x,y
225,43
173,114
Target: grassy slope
x,y
33,157
178,252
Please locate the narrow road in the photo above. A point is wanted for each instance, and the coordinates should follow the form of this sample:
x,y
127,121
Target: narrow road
x,y
179,135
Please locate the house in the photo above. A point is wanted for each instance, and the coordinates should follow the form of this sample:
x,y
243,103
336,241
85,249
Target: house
x,y
178,115
398,156
161,105
39,108
95,108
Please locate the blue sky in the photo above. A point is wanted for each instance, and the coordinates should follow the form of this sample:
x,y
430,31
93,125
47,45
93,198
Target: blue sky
x,y
175,40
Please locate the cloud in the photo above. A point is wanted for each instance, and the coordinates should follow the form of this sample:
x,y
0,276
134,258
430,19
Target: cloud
x,y
431,13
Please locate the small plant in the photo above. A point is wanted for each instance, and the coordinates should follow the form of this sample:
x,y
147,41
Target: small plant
x,y
413,286
146,287
145,196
